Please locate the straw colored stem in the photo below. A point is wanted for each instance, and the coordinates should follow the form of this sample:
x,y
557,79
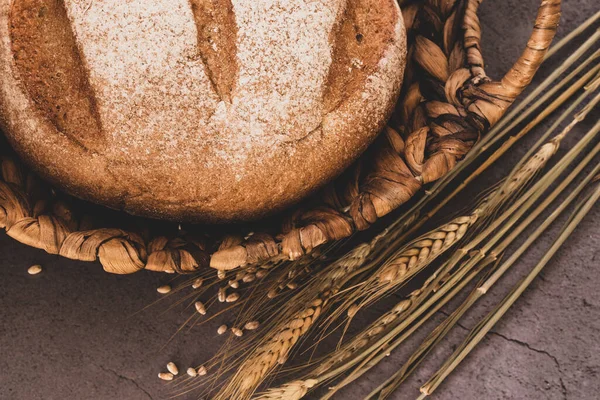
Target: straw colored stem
x,y
489,322
531,197
392,383
472,264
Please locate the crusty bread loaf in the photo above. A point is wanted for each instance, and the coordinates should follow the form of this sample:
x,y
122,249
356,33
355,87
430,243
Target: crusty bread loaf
x,y
203,110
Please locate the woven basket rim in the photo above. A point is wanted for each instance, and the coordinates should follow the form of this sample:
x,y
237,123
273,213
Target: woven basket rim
x,y
447,103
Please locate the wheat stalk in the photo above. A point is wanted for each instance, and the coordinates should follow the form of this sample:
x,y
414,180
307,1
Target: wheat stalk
x,y
408,262
525,203
399,230
391,384
413,258
305,308
405,314
405,263
479,332
517,114
423,250
284,331
420,253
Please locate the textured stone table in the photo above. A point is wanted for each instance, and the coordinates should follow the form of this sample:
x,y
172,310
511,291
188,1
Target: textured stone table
x,y
75,332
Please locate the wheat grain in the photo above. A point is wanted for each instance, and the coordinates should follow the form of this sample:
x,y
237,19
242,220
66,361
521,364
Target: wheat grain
x,y
34,270
173,368
165,376
294,390
222,329
233,297
221,274
200,307
163,289
363,339
261,273
192,372
222,295
197,283
234,284
424,249
202,370
252,325
237,332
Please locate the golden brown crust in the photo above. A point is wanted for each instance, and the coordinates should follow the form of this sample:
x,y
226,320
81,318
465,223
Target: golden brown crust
x,y
201,177
357,47
217,32
51,68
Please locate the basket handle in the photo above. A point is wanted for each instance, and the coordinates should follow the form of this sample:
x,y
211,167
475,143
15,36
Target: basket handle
x,y
519,76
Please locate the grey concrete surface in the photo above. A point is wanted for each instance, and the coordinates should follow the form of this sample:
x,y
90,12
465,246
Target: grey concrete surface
x,y
75,332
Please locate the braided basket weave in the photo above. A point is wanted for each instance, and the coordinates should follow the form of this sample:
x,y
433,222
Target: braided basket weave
x,y
447,103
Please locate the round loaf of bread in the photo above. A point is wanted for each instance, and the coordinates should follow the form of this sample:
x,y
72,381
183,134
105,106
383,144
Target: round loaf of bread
x,y
197,110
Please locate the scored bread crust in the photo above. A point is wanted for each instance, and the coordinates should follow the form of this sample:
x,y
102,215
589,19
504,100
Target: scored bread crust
x,y
197,110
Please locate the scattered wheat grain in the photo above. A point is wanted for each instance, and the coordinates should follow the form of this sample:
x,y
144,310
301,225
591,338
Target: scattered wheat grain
x,y
200,307
34,270
173,368
163,289
197,283
252,325
166,376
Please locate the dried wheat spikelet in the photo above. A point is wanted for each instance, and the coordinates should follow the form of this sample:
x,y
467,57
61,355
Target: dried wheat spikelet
x,y
403,265
415,256
274,347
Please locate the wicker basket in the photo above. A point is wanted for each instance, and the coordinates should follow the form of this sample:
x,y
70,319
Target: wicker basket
x,y
447,103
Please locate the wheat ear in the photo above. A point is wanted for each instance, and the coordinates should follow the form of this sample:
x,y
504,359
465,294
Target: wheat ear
x,y
406,263
426,248
305,308
420,253
479,332
479,260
